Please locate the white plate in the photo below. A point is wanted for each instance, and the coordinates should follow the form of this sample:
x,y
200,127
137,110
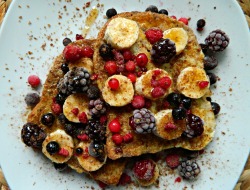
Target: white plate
x,y
26,29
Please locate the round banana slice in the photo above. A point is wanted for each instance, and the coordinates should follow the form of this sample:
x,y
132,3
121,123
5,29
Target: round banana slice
x,y
65,142
166,127
179,36
88,162
84,62
193,82
121,96
121,33
144,84
73,104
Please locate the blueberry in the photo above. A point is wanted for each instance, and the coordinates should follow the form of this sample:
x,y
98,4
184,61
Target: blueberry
x,y
163,11
79,150
60,98
179,113
62,119
174,99
105,51
52,147
48,119
186,102
111,12
32,99
152,8
96,149
66,41
70,128
210,62
201,23
212,78
215,107
65,68
60,167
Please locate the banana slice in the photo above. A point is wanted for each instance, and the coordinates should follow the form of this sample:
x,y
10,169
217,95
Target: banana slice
x,y
64,140
190,80
144,86
88,162
179,36
166,127
121,33
74,102
120,97
84,62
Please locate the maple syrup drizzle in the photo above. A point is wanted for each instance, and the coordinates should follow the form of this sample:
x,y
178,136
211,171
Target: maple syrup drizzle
x,y
90,21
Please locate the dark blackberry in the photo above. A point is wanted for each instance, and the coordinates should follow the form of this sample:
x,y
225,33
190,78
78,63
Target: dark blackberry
x,y
215,107
201,23
217,40
163,50
60,167
93,92
163,11
32,135
64,68
48,119
179,113
97,107
189,169
76,80
152,8
194,126
32,99
79,150
210,62
97,150
143,121
60,98
52,147
105,51
174,99
62,119
212,78
70,129
66,41
96,131
111,12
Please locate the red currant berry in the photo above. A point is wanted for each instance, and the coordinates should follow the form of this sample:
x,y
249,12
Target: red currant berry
x,y
87,51
173,17
79,37
113,84
141,59
132,77
130,66
128,138
72,53
117,139
184,20
56,108
127,54
157,92
165,82
138,102
110,67
34,81
203,84
114,126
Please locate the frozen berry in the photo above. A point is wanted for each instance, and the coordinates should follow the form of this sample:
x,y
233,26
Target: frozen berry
x,y
141,59
163,11
204,48
170,126
125,179
153,35
52,147
62,119
130,66
34,81
138,102
48,119
56,108
132,77
210,62
114,126
83,118
200,24
60,167
93,92
179,113
70,129
184,20
79,150
165,82
174,99
215,107
105,51
186,102
144,169
72,53
128,137
173,17
194,126
173,160
189,169
87,51
66,41
79,37
212,78
157,92
110,67
111,12
64,68
63,152
203,84
32,99
217,40
127,54
113,84
60,98
117,139
152,8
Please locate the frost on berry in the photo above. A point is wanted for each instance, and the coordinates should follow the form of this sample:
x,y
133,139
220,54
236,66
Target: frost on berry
x,y
144,169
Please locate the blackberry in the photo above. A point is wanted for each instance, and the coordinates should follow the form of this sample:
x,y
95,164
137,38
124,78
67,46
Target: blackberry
x,y
210,62
97,107
194,126
215,107
64,68
217,40
76,80
60,167
96,131
93,92
48,119
105,51
174,99
111,12
66,41
60,98
32,99
163,50
32,135
62,119
163,11
212,78
189,169
179,113
143,121
70,129
52,147
97,150
152,8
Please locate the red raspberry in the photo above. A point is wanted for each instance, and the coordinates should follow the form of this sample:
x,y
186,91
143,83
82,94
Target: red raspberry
x,y
141,59
114,126
117,139
127,54
165,82
63,152
128,138
79,37
130,66
153,35
113,84
184,20
72,53
56,108
87,51
34,81
203,84
83,117
138,102
83,137
125,179
170,126
157,92
75,111
132,77
173,160
110,67
144,169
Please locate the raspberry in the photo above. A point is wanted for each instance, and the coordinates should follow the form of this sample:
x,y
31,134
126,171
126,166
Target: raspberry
x,y
87,51
132,77
114,126
184,20
141,59
138,102
203,84
113,84
125,179
173,160
130,66
63,152
110,67
56,108
153,35
157,92
34,81
144,169
75,111
165,82
72,53
128,138
83,137
79,37
170,126
117,139
127,54
83,117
